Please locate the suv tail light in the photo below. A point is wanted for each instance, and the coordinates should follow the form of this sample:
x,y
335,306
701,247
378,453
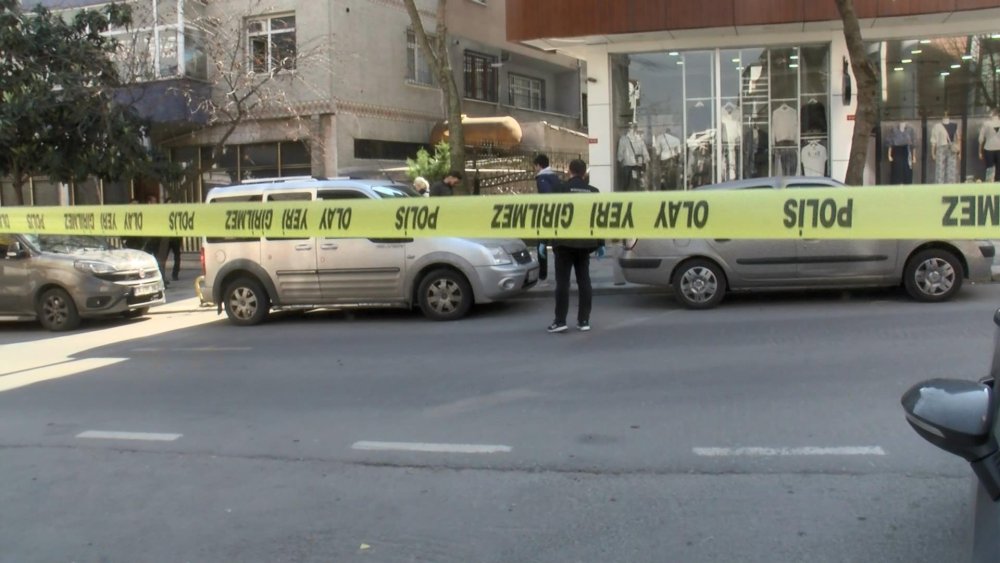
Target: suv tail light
x,y
201,258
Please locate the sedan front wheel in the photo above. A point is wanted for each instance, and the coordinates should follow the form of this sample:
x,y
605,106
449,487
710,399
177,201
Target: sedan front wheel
x,y
699,284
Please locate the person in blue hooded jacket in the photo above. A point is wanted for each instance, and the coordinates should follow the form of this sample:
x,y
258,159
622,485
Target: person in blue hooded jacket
x,y
547,182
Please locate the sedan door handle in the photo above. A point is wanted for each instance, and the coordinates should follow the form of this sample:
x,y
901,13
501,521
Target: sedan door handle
x,y
303,247
328,247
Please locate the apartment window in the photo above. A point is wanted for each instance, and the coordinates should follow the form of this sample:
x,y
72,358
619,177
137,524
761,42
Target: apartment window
x,y
417,68
271,43
480,76
526,92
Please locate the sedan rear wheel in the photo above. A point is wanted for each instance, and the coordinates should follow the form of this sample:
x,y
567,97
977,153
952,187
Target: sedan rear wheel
x,y
699,284
933,275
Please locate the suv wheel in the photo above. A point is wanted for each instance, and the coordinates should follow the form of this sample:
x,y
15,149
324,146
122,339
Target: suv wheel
x,y
444,295
57,311
699,284
246,302
932,275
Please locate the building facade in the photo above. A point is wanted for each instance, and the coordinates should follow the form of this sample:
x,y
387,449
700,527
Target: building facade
x,y
346,89
682,95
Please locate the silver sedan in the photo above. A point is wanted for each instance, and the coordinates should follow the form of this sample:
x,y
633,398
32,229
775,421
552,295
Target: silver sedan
x,y
701,271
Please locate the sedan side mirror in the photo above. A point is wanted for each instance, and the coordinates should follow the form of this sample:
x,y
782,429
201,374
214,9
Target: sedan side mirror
x,y
957,416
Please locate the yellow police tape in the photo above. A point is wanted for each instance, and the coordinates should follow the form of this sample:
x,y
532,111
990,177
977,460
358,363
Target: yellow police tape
x,y
968,211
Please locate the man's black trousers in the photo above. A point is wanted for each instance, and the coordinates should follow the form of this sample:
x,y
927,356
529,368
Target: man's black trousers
x,y
576,259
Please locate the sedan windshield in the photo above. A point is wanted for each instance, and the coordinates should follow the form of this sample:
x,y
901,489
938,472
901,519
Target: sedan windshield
x,y
67,244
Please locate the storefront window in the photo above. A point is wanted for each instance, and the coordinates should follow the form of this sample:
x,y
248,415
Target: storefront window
x,y
936,121
687,119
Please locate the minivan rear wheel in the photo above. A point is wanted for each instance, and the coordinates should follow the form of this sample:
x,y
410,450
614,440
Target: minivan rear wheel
x,y
444,295
57,311
932,275
246,302
699,284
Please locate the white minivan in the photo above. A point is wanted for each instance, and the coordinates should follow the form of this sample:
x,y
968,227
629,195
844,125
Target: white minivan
x,y
249,277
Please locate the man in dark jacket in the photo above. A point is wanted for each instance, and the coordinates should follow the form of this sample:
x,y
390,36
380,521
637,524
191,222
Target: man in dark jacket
x,y
447,185
574,254
547,182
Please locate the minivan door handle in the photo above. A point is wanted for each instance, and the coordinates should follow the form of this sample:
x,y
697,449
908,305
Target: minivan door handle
x,y
328,246
303,247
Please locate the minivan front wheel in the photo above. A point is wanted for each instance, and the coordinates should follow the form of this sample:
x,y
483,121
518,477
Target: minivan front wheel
x,y
444,295
932,275
699,284
57,311
246,302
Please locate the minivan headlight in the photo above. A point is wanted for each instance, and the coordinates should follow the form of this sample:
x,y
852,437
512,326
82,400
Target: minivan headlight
x,y
94,267
499,255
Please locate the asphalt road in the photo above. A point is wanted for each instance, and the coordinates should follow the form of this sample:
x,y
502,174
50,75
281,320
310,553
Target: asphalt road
x,y
766,430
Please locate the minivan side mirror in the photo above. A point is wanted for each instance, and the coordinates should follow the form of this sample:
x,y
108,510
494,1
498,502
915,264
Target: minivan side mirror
x,y
957,416
15,250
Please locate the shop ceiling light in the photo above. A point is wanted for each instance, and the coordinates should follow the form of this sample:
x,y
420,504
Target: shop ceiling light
x,y
906,61
793,66
925,41
966,57
674,54
898,68
956,66
917,51
736,60
945,73
795,57
995,36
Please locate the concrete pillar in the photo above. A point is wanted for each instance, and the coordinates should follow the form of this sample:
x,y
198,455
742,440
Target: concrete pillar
x,y
601,157
324,147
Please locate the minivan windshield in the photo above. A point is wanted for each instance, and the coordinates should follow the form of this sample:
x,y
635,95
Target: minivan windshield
x,y
67,244
387,192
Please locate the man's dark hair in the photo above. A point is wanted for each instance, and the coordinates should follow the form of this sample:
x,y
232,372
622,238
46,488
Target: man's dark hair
x,y
456,174
542,160
578,167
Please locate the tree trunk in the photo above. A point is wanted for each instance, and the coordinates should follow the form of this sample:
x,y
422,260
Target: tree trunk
x,y
440,61
867,83
18,180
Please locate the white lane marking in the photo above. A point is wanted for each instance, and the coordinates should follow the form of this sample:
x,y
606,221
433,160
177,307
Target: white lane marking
x,y
30,376
772,452
142,436
430,448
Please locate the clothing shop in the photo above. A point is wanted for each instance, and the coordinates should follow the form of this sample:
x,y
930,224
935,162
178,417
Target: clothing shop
x,y
681,108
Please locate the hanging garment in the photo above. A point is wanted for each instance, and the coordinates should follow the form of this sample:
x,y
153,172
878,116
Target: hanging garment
x,y
666,146
814,118
632,150
992,159
989,137
813,158
786,161
785,124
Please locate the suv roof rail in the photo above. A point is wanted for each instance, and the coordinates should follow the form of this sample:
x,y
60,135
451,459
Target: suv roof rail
x,y
275,180
293,179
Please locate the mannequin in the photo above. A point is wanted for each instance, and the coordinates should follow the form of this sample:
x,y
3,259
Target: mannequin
x,y
989,144
633,156
729,133
668,150
945,150
901,140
